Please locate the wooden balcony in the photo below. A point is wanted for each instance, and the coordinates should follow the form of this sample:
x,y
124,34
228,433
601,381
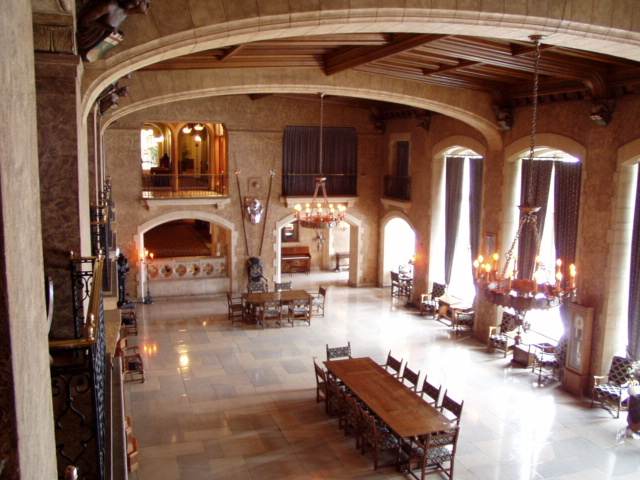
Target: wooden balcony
x,y
159,185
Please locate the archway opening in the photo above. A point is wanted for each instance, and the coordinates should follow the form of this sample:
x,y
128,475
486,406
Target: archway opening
x,y
399,248
186,257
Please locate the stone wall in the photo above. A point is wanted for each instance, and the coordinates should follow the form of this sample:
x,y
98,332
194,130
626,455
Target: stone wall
x,y
27,444
570,120
255,129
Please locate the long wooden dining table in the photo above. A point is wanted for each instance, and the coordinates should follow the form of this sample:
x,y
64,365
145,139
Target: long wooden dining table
x,y
399,407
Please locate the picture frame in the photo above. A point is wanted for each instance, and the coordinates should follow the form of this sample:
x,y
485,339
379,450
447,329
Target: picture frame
x,y
290,232
580,322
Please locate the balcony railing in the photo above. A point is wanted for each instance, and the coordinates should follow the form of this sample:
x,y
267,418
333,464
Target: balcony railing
x,y
78,380
102,234
398,188
301,184
184,185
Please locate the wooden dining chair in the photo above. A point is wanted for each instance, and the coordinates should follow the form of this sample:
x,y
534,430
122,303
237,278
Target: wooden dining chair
x,y
431,453
412,377
379,439
336,404
299,310
270,312
334,353
282,286
236,308
318,302
394,365
452,409
321,382
431,392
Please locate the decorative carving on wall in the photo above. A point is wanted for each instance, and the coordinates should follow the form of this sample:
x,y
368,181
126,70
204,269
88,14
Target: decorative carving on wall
x,y
110,97
53,33
184,268
504,117
602,111
379,118
99,22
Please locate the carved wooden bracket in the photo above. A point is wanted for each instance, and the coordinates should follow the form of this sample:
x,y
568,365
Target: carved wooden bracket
x,y
602,111
504,117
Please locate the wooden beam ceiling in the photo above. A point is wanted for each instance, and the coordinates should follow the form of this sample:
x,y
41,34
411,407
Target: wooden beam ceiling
x,y
502,67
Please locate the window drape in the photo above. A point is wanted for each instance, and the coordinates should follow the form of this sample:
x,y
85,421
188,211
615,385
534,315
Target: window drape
x,y
528,242
567,207
301,160
476,166
453,197
633,345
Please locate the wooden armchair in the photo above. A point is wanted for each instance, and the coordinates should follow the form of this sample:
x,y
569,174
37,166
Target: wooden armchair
x,y
433,453
270,312
502,337
378,438
429,301
463,320
611,391
299,310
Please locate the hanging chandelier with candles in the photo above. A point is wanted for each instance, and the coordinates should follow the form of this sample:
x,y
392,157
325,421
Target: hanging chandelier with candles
x,y
505,288
319,213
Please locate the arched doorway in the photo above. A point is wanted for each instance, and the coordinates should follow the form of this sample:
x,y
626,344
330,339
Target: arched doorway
x,y
398,247
202,264
346,237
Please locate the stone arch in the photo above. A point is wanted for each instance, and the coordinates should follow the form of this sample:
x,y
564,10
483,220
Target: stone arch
x,y
438,153
356,256
470,107
511,169
184,215
266,21
381,246
619,249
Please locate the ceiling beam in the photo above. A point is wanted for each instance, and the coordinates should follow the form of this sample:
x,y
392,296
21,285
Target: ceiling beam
x,y
353,57
449,68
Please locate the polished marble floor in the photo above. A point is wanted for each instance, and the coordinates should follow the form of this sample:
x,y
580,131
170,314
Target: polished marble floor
x,y
239,403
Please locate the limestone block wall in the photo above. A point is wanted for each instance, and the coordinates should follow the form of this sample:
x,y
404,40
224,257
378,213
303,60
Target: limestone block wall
x,y
567,123
255,129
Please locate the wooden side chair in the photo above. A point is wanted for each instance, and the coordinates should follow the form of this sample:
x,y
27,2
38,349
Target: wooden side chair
x,y
379,439
431,392
399,288
432,453
354,421
236,308
321,382
132,364
334,353
282,286
258,287
270,312
336,405
318,302
129,321
452,409
394,365
411,377
429,303
299,310
611,391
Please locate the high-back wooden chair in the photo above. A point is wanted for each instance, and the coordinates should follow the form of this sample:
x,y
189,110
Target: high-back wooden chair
x,y
412,377
431,392
452,409
394,365
334,353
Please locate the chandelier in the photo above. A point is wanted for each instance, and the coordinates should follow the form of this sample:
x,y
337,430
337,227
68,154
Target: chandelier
x,y
319,213
505,288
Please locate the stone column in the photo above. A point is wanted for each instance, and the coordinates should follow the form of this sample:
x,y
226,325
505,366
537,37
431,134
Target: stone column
x,y
57,97
27,444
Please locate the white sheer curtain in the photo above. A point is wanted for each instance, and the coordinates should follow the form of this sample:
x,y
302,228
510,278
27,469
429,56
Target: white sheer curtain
x,y
461,275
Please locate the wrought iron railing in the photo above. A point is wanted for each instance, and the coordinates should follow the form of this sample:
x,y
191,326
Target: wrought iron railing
x,y
170,185
78,382
398,188
298,184
102,235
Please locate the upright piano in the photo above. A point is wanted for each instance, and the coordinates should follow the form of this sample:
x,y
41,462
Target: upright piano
x,y
296,259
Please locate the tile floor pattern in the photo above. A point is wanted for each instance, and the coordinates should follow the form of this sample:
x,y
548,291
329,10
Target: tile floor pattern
x,y
222,402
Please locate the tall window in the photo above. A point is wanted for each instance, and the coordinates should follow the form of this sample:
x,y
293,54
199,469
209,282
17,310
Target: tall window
x,y
549,322
460,202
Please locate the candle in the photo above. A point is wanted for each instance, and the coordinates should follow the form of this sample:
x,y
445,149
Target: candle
x,y
495,257
572,275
